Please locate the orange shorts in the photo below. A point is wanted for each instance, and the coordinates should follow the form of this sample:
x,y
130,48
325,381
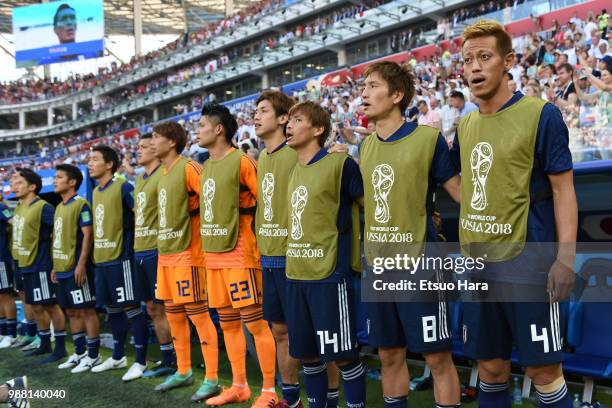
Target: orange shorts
x,y
237,288
181,284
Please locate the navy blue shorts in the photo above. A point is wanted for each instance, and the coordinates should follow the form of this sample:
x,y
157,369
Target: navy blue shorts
x,y
38,288
490,329
116,285
18,278
422,327
274,294
321,321
146,272
71,296
6,277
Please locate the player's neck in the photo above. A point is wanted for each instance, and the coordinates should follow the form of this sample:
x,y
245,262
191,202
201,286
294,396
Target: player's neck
x,y
103,180
307,152
493,104
27,200
389,124
150,167
275,140
168,160
219,149
67,195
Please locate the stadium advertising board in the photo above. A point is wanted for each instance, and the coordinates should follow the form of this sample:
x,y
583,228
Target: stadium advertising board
x,y
58,31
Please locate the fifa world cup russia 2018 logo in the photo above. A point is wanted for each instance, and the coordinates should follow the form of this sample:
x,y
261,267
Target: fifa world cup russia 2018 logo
x,y
18,224
382,181
99,214
267,191
141,201
162,199
58,226
299,198
481,161
208,194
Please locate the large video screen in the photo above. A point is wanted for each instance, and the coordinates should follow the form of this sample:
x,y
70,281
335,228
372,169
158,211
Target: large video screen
x,y
59,31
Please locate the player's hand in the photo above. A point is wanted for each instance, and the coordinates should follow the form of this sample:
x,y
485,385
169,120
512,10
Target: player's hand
x,y
338,148
54,277
80,275
561,279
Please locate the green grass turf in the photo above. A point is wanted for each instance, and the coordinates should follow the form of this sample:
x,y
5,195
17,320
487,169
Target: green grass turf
x,y
107,390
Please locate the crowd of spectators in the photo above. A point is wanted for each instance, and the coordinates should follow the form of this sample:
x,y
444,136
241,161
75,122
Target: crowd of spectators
x,y
569,66
260,47
36,89
12,92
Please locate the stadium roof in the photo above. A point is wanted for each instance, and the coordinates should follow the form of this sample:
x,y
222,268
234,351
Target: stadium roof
x,y
158,16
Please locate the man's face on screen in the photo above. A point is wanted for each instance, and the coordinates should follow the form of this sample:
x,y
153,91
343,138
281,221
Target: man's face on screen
x,y
65,26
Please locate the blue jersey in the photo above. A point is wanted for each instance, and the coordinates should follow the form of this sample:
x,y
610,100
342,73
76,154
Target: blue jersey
x,y
441,169
127,200
552,156
351,189
85,219
5,217
43,261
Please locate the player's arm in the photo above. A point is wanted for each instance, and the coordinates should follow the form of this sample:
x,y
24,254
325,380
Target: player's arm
x,y
552,148
85,223
561,277
443,171
352,182
193,170
248,174
127,196
6,215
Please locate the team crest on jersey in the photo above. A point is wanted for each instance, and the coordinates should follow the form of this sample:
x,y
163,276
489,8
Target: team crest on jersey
x,y
267,191
481,161
299,198
162,199
99,214
58,226
382,181
208,194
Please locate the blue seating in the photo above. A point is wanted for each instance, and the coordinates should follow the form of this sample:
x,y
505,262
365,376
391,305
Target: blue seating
x,y
589,323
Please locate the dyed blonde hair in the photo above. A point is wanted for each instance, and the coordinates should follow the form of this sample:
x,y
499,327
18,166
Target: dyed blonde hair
x,y
486,28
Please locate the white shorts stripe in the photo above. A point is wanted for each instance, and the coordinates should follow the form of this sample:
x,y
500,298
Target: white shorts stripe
x,y
553,327
347,319
129,269
3,276
341,316
558,325
86,294
127,280
44,286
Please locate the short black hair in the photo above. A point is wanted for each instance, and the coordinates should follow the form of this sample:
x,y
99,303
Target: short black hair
x,y
457,94
146,136
223,117
422,102
510,76
72,172
60,8
567,67
108,154
31,177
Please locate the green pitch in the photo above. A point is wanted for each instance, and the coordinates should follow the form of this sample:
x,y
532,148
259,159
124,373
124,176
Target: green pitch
x,y
107,390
